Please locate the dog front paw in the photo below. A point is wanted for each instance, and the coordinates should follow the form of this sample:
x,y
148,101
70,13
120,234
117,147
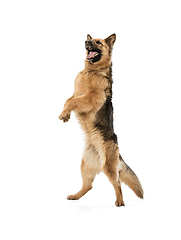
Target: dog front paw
x,y
65,116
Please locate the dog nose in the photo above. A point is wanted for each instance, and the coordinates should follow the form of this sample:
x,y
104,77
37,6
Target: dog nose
x,y
87,42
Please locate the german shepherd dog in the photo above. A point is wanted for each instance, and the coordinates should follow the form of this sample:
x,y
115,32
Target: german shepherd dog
x,y
92,104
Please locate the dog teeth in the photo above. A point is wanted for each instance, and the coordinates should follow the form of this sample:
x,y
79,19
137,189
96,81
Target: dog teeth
x,y
96,54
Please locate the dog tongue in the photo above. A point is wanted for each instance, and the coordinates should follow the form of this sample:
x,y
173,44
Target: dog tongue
x,y
91,54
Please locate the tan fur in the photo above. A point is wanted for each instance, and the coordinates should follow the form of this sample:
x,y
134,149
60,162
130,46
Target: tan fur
x,y
127,176
92,88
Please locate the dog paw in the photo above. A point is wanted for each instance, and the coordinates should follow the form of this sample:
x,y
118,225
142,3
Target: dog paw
x,y
65,116
72,197
119,203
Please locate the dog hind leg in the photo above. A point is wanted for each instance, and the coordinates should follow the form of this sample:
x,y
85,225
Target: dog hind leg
x,y
113,177
88,176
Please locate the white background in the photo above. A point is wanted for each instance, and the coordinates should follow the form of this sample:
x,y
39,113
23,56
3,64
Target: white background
x,y
41,52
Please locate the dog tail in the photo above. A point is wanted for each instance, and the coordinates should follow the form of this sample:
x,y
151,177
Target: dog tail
x,y
127,176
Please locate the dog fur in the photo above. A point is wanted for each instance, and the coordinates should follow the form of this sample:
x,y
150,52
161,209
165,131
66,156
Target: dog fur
x,y
92,103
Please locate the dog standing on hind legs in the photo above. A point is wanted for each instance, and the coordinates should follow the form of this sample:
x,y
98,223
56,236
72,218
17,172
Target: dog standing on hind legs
x,y
92,103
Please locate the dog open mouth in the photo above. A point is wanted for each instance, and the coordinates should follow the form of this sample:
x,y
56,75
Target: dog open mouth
x,y
94,55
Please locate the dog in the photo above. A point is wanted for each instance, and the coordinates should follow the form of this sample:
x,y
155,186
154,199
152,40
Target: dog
x,y
92,103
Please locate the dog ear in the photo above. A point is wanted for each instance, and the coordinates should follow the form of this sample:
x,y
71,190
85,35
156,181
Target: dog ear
x,y
111,39
88,37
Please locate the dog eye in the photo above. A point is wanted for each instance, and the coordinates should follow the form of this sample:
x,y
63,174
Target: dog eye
x,y
98,42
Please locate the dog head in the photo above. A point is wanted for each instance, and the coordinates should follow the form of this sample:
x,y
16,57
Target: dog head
x,y
99,51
